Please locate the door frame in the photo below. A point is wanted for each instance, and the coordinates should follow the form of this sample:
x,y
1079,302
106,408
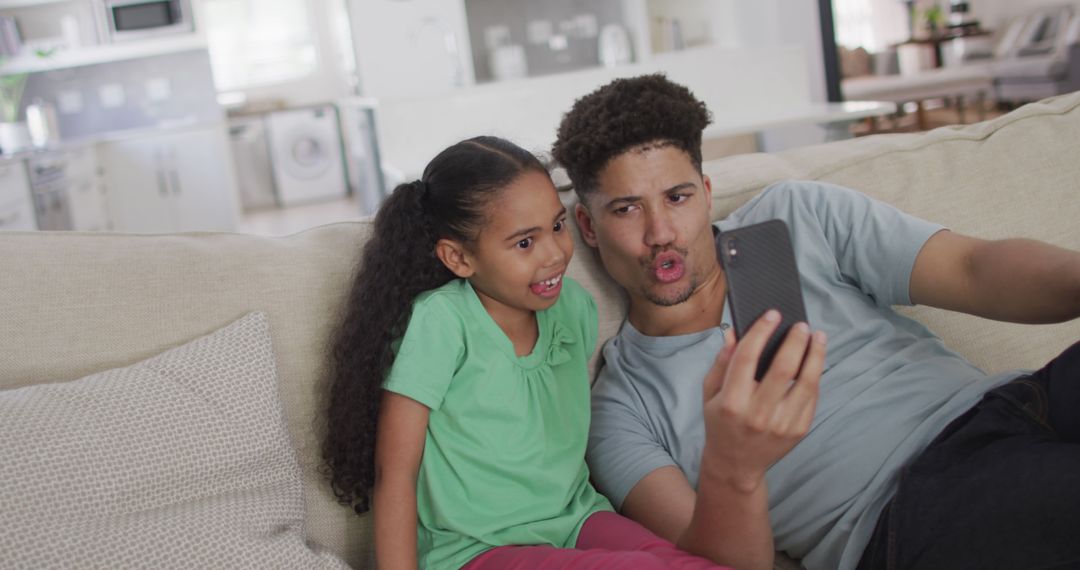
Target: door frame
x,y
829,52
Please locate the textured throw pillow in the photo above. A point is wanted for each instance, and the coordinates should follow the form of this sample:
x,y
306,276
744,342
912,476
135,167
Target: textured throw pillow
x,y
180,461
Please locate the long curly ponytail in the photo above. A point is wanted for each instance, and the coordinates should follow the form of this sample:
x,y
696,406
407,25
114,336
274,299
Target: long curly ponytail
x,y
396,265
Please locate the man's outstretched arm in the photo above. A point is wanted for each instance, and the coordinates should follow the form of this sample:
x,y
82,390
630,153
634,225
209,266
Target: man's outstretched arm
x,y
1016,280
748,427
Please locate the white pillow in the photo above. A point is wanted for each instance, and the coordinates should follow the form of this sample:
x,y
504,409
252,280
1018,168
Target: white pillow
x,y
179,461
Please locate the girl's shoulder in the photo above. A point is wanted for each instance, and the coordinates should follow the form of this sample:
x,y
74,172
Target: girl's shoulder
x,y
573,290
452,290
449,298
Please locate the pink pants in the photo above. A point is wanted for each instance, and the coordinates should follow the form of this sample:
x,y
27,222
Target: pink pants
x,y
606,540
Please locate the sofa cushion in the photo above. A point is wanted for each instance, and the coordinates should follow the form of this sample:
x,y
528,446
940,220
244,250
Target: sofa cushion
x,y
181,460
76,303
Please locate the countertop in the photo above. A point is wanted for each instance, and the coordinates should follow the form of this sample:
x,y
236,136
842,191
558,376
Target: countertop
x,y
63,145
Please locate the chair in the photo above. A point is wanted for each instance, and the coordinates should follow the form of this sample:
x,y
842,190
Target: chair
x,y
1037,56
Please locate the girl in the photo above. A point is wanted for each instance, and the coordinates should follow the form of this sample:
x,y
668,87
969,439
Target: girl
x,y
459,403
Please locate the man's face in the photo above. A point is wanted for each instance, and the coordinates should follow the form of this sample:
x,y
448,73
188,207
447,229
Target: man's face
x,y
649,218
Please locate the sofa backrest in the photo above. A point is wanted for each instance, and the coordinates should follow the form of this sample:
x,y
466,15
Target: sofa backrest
x,y
1014,176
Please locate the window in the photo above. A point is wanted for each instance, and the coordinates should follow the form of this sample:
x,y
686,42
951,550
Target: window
x,y
870,24
255,43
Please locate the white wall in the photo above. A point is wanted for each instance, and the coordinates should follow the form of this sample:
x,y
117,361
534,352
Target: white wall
x,y
765,23
736,85
799,23
727,31
419,47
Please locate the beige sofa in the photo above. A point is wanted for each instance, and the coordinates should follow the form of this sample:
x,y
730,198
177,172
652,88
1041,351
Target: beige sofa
x,y
75,303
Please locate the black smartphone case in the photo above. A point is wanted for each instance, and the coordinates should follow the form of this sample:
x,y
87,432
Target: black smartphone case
x,y
762,274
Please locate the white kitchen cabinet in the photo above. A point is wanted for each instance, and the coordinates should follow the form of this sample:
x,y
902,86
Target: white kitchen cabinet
x,y
173,181
16,205
138,197
86,191
67,189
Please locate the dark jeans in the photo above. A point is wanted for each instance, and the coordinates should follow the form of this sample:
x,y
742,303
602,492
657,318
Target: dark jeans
x,y
998,488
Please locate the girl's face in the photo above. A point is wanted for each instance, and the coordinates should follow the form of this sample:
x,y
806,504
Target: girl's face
x,y
519,257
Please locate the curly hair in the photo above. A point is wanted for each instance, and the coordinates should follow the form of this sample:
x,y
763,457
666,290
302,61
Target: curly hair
x,y
396,265
625,114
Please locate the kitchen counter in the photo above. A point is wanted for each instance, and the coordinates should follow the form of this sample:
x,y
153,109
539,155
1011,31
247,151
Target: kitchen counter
x,y
175,176
113,136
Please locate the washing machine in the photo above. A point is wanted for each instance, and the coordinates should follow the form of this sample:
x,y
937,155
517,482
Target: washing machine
x,y
306,153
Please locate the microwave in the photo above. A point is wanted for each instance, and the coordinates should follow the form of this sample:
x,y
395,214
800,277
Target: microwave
x,y
123,20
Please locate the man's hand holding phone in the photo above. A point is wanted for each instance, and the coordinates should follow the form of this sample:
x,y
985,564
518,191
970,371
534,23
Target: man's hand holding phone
x,y
759,397
749,425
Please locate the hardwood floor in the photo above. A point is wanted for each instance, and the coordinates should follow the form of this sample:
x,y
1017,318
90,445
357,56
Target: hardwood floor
x,y
936,113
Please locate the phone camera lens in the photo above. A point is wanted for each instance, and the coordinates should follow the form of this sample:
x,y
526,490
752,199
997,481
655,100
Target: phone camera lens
x,y
732,249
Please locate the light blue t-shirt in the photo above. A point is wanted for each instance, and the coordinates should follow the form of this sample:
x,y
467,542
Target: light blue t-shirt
x,y
889,385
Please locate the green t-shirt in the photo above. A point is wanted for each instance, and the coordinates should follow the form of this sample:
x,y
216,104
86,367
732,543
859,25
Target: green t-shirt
x,y
504,454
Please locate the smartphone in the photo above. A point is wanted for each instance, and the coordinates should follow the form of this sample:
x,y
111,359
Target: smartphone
x,y
762,274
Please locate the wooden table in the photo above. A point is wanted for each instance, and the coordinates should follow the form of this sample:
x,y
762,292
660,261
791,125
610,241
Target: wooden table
x,y
935,41
836,118
958,83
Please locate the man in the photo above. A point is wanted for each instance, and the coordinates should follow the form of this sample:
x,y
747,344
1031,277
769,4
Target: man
x,y
886,449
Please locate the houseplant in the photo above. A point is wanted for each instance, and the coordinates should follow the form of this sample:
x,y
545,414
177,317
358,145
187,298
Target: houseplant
x,y
934,18
14,135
